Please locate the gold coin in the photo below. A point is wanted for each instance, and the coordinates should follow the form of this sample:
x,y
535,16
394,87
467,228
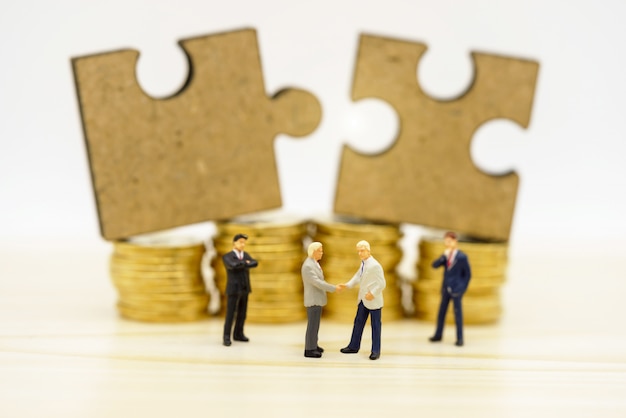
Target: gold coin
x,y
182,288
272,305
342,241
494,276
255,250
161,265
432,247
165,307
287,287
155,275
171,297
262,228
259,318
267,266
157,250
275,298
475,286
356,228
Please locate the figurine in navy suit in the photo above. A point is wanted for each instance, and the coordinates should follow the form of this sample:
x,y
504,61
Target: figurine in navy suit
x,y
237,263
456,277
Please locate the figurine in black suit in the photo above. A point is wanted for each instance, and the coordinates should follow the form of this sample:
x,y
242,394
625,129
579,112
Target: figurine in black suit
x,y
456,277
237,263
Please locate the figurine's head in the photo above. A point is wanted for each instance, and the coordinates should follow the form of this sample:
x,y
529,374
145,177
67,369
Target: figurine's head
x,y
315,251
363,249
450,240
239,241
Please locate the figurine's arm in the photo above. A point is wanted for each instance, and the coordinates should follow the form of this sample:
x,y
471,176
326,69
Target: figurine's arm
x,y
249,261
439,262
232,262
356,279
314,277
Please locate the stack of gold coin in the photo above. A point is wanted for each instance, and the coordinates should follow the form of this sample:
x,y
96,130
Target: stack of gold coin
x,y
159,281
341,261
277,293
481,302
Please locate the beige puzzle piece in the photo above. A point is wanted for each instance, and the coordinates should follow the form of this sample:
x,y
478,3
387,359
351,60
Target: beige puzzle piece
x,y
427,176
205,153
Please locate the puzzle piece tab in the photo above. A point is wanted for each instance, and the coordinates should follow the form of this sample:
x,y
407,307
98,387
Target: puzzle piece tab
x,y
427,177
205,153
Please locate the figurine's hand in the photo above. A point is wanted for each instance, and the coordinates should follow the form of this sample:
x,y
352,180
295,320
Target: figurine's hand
x,y
369,296
449,289
340,287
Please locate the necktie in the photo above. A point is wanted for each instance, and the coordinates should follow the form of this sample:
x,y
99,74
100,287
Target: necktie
x,y
362,266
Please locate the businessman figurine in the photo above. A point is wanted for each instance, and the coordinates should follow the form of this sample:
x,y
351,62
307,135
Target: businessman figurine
x,y
456,277
315,288
371,279
237,263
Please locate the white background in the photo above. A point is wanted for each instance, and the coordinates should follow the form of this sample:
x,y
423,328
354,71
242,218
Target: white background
x,y
570,159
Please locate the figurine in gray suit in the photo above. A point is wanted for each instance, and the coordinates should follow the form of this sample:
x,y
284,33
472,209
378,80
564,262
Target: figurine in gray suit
x,y
315,288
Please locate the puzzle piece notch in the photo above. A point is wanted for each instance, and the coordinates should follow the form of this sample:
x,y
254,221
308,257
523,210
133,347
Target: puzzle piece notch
x,y
491,154
205,153
372,126
427,177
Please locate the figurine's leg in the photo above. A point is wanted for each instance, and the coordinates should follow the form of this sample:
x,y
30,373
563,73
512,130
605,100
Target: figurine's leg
x,y
313,314
242,309
458,319
359,323
376,321
441,316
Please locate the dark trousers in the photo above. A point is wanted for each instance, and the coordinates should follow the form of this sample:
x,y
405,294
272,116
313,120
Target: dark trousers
x,y
237,305
313,314
458,315
359,323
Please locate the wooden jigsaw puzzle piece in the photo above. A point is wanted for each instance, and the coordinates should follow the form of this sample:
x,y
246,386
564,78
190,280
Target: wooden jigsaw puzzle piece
x,y
427,176
205,153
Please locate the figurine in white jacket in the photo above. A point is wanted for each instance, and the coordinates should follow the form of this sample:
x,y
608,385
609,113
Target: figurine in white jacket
x,y
371,280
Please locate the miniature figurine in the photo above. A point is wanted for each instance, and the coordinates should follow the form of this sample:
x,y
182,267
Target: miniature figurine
x,y
371,280
237,263
315,288
456,277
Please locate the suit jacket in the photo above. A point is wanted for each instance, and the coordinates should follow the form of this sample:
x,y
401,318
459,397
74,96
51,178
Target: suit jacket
x,y
315,287
238,272
457,276
372,279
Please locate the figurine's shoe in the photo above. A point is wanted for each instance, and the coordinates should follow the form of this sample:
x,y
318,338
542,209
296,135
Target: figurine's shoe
x,y
312,353
320,349
434,339
459,343
348,350
227,341
374,356
241,338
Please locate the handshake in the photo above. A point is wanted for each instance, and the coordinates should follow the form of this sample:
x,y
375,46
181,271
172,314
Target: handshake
x,y
342,286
